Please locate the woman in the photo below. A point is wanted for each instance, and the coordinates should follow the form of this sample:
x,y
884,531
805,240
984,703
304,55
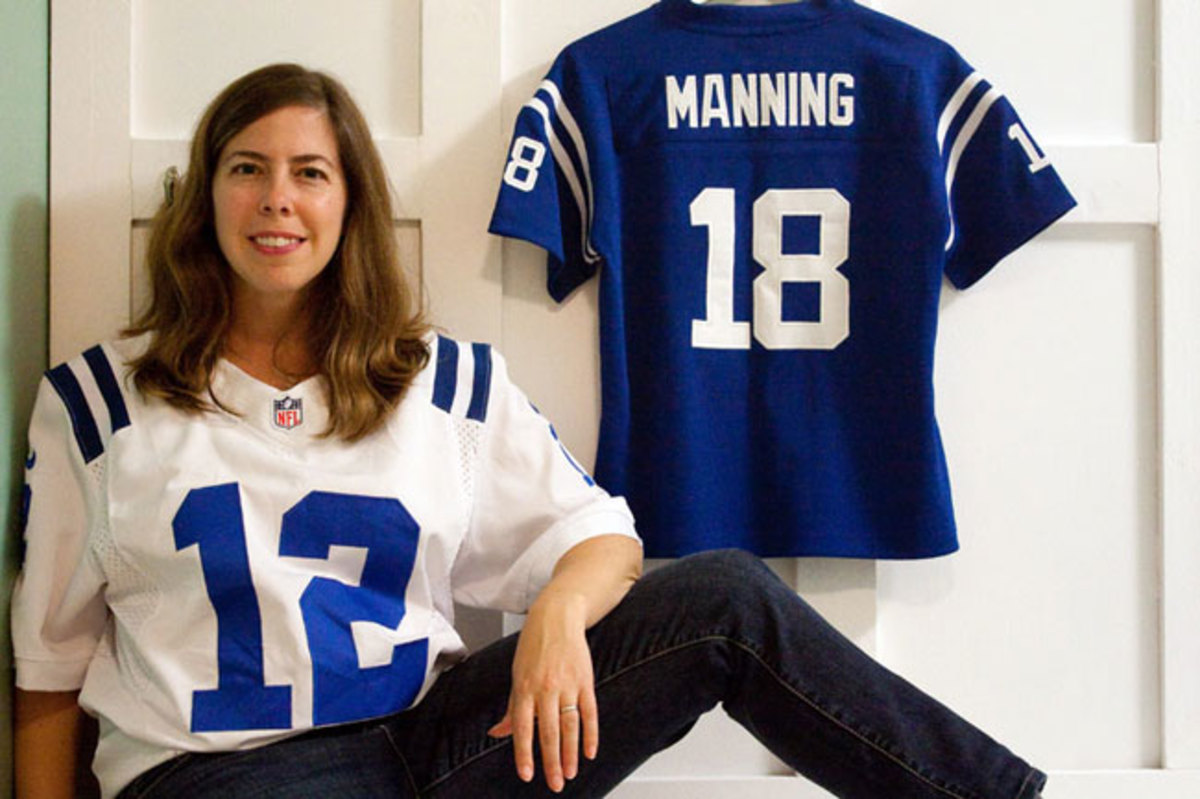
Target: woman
x,y
250,517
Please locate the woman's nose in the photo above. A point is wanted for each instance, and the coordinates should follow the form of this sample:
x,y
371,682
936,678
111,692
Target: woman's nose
x,y
277,196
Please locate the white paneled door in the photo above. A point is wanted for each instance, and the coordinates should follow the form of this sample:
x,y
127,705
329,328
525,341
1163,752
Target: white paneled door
x,y
1068,380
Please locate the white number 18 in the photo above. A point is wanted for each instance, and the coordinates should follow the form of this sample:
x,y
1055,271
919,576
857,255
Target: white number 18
x,y
714,208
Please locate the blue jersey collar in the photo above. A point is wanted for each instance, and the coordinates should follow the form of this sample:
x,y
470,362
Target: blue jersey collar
x,y
752,19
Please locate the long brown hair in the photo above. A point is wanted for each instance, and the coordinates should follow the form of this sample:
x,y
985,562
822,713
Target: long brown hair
x,y
368,329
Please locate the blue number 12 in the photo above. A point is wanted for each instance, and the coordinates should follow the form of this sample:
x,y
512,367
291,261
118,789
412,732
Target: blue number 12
x,y
342,691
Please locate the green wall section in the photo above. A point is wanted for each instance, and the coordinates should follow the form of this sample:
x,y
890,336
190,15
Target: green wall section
x,y
24,189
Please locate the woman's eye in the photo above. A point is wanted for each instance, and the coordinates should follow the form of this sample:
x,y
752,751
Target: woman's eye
x,y
244,168
312,173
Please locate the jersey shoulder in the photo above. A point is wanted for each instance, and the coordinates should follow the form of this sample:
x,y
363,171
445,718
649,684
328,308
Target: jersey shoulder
x,y
904,36
96,393
619,35
937,65
458,378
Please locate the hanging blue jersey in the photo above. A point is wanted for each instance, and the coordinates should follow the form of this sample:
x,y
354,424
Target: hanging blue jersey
x,y
772,196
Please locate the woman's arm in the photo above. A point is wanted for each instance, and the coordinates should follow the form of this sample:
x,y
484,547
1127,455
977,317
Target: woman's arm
x,y
47,735
552,668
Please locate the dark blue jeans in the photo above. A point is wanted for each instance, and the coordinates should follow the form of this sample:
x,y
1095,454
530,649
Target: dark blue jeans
x,y
716,628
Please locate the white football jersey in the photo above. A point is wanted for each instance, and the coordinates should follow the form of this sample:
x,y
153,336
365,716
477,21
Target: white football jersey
x,y
221,580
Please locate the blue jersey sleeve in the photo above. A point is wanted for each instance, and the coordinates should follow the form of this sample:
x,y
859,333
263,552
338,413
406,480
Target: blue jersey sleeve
x,y
548,195
1001,188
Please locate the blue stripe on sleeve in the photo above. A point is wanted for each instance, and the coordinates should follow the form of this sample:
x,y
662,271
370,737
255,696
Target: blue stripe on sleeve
x,y
445,380
482,385
87,435
97,361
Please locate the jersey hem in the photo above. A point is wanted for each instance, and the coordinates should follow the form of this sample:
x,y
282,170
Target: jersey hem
x,y
560,282
600,521
816,552
963,279
49,675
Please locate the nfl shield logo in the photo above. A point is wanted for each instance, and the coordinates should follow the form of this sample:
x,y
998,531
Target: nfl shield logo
x,y
289,413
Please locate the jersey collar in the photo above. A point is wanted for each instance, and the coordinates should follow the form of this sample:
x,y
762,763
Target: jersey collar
x,y
295,415
741,19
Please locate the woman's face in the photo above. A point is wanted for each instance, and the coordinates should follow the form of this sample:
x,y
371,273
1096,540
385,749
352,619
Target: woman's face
x,y
279,199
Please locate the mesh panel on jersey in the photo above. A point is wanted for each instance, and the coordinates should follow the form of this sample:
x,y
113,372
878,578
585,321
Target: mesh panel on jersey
x,y
469,434
132,596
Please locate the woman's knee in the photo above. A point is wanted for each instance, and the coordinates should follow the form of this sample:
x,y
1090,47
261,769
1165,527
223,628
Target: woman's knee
x,y
718,585
733,570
